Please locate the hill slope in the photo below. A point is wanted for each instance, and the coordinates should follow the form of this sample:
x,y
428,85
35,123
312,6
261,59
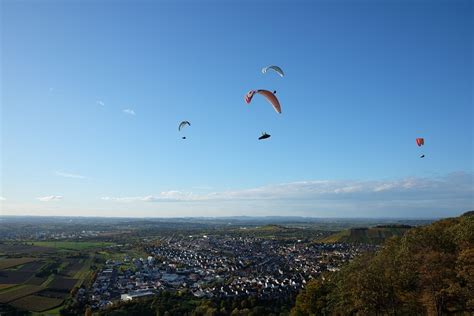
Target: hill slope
x,y
428,271
372,235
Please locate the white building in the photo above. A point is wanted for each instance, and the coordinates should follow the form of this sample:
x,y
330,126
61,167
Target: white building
x,y
135,294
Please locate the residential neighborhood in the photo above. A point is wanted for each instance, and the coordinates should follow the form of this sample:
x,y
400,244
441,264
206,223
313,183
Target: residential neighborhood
x,y
210,266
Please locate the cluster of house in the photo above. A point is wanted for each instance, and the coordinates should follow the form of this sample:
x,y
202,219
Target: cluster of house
x,y
218,267
68,235
48,235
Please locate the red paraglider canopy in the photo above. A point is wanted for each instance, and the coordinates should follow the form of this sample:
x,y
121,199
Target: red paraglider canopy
x,y
249,96
420,141
268,95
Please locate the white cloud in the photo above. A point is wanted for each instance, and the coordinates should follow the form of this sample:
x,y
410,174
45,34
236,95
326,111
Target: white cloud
x,y
2,198
123,199
129,111
99,102
166,196
453,186
50,198
427,197
69,175
450,186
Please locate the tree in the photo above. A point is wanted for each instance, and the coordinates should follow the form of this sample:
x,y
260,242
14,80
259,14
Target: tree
x,y
430,270
88,311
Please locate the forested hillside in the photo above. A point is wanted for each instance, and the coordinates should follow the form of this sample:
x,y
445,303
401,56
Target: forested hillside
x,y
372,235
430,270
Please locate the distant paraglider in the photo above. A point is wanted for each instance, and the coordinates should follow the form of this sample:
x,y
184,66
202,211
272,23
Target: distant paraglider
x,y
183,125
420,142
277,69
268,95
264,136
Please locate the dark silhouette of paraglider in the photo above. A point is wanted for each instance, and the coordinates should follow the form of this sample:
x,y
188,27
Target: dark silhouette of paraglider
x,y
420,142
182,125
269,95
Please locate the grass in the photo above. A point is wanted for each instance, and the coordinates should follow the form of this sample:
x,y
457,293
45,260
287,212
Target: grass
x,y
133,252
62,266
48,280
72,245
82,273
270,228
337,237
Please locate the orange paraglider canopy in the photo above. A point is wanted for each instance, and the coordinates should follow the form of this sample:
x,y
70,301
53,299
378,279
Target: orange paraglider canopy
x,y
420,141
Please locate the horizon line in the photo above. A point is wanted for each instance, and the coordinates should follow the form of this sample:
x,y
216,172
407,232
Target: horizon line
x,y
234,216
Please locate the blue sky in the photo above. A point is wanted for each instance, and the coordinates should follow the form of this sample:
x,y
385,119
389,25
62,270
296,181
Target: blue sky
x,y
92,93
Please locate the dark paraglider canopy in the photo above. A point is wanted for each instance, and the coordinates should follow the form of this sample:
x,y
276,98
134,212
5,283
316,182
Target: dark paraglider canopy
x,y
277,69
264,136
183,124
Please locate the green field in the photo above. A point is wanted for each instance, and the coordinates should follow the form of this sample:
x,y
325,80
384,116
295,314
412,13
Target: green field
x,y
84,271
26,297
72,245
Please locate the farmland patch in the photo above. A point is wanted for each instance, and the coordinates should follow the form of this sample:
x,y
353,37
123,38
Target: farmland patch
x,y
36,303
36,280
14,277
32,266
6,286
62,284
24,249
12,262
18,292
72,245
52,293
